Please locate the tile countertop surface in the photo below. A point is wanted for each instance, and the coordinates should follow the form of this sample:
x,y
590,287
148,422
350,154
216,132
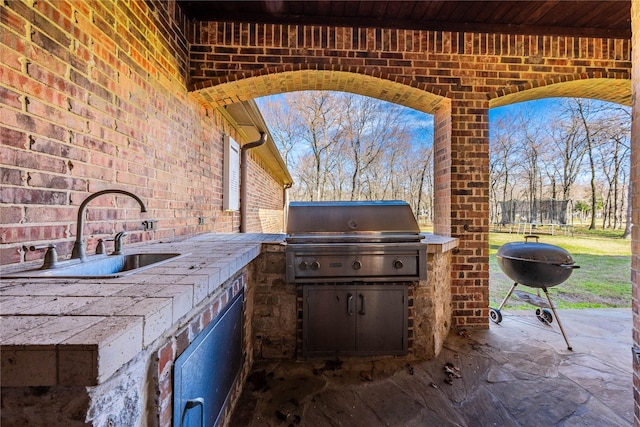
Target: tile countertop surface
x,y
81,331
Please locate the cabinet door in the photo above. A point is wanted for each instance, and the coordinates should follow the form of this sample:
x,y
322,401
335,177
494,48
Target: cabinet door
x,y
205,374
329,320
381,326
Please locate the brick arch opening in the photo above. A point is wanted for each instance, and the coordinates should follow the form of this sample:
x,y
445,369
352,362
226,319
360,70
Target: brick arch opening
x,y
611,89
406,93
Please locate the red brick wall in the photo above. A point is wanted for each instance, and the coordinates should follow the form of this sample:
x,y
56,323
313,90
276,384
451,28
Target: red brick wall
x,y
93,95
410,67
263,216
442,169
456,76
635,179
469,209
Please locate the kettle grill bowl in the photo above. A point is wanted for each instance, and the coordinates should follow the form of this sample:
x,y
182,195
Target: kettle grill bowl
x,y
537,265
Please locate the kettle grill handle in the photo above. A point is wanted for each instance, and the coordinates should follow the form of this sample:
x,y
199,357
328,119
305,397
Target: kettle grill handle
x,y
568,266
531,236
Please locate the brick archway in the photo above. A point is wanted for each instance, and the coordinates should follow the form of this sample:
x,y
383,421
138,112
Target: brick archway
x,y
407,93
611,89
457,76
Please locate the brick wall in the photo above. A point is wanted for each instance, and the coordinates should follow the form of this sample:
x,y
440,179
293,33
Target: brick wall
x,y
263,216
635,203
442,169
94,96
410,67
455,76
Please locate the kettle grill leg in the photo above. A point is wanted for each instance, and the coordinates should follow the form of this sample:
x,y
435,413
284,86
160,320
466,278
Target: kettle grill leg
x,y
504,301
557,318
494,313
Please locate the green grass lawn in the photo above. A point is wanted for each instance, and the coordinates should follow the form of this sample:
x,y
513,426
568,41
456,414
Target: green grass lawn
x,y
603,279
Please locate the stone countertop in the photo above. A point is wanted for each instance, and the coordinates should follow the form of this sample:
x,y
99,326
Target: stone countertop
x,y
81,331
439,244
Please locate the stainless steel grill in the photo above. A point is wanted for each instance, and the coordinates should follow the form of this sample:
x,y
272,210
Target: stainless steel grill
x,y
370,241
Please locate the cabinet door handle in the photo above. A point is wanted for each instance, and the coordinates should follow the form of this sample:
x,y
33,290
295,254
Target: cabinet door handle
x,y
350,304
362,300
192,403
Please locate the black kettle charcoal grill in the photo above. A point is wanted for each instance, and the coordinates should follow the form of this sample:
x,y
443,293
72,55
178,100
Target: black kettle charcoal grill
x,y
537,265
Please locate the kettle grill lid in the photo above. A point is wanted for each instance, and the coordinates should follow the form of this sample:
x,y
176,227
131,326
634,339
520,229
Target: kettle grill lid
x,y
534,251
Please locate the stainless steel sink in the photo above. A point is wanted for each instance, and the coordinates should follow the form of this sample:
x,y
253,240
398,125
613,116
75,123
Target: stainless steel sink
x,y
99,267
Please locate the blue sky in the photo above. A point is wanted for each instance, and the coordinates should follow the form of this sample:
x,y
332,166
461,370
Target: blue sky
x,y
423,123
541,106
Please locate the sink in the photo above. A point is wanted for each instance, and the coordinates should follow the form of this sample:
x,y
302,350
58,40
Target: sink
x,y
99,267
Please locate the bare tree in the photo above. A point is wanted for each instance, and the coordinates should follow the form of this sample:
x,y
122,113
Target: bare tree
x,y
285,127
502,162
568,149
613,153
370,127
351,147
627,229
530,149
320,129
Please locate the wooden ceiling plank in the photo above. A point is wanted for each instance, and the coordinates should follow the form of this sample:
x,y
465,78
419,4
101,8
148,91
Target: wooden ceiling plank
x,y
351,8
325,7
378,10
593,18
561,14
540,11
478,12
520,13
399,9
597,13
364,8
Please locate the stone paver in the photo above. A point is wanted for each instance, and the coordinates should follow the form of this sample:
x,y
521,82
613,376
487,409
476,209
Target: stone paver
x,y
518,373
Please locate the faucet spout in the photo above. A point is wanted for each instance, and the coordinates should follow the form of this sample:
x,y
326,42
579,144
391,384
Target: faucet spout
x,y
78,246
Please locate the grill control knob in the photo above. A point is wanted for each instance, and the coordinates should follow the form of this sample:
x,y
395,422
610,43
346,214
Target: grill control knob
x,y
303,265
397,264
315,265
357,265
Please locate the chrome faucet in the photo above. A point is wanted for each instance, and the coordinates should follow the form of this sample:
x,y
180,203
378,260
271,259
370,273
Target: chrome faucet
x,y
78,246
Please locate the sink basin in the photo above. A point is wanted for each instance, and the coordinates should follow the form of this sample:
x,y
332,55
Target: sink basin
x,y
99,267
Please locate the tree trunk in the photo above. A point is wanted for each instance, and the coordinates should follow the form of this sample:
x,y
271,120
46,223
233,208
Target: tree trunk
x,y
627,228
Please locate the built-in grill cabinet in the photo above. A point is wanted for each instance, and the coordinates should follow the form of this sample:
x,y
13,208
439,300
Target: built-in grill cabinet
x,y
354,262
354,320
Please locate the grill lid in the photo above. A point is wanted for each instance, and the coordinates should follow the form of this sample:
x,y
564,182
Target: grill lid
x,y
535,252
358,218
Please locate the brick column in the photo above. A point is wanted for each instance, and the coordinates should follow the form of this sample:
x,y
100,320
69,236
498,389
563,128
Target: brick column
x,y
470,210
635,203
442,168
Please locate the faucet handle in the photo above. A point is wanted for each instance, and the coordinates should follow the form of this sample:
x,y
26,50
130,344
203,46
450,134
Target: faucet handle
x,y
50,257
100,249
117,242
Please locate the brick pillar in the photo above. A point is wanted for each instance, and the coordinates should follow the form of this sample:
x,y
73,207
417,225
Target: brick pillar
x,y
470,211
442,168
635,202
